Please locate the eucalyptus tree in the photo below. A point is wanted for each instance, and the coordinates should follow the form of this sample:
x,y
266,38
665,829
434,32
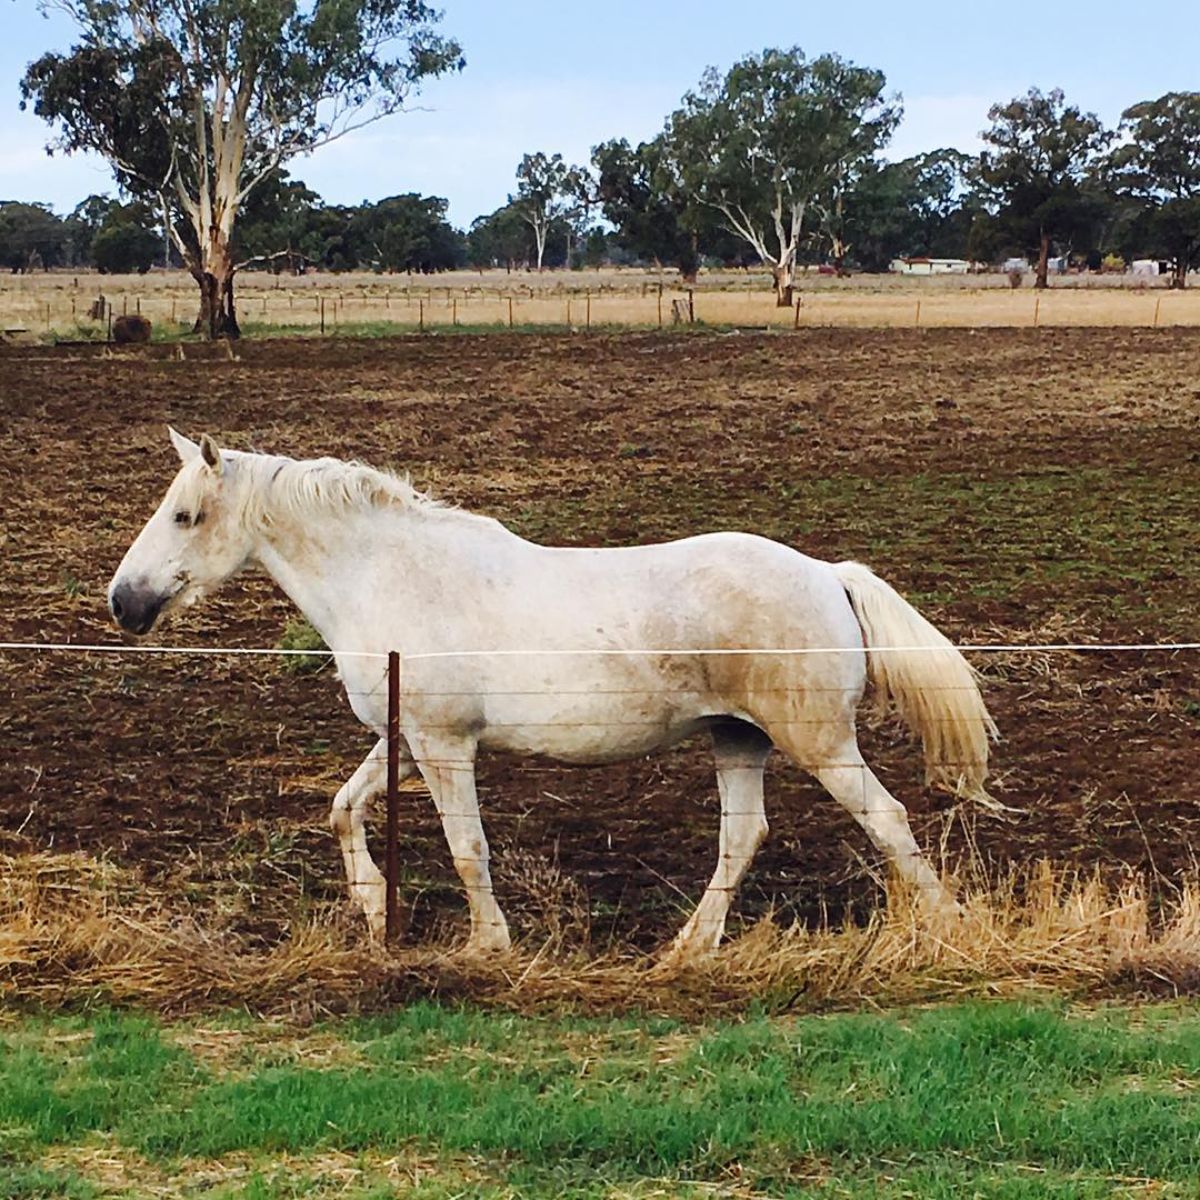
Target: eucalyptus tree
x,y
548,190
128,240
775,137
1158,164
641,193
31,237
195,103
1039,172
919,205
499,239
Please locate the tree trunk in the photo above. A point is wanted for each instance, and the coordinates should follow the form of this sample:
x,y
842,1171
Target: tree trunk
x,y
688,260
1043,264
1179,272
217,317
784,285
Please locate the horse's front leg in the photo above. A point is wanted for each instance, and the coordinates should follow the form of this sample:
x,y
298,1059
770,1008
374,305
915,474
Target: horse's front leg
x,y
347,818
448,767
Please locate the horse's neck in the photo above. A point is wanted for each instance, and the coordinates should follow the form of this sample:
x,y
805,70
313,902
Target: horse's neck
x,y
354,574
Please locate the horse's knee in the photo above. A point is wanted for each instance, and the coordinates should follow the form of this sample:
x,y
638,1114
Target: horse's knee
x,y
757,837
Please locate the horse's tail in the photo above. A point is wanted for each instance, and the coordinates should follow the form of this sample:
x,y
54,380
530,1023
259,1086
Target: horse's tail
x,y
919,673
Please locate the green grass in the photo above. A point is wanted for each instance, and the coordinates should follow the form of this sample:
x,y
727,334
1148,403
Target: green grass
x,y
1004,1100
298,634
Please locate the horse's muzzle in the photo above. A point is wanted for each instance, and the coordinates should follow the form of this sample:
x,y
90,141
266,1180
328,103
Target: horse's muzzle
x,y
134,609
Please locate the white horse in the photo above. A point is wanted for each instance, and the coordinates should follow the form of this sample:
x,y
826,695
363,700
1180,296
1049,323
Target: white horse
x,y
584,656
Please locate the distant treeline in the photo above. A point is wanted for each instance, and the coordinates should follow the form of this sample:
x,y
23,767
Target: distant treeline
x,y
1051,181
287,227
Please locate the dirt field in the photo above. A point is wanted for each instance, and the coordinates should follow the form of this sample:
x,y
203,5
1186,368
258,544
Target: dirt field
x,y
1019,485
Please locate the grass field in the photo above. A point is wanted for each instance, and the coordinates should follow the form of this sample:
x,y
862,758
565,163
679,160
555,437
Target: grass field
x,y
56,304
1003,1100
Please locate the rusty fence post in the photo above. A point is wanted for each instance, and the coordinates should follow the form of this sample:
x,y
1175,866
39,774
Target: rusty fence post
x,y
392,859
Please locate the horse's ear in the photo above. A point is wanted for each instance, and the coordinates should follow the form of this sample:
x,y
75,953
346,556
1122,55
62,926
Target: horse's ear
x,y
184,447
211,453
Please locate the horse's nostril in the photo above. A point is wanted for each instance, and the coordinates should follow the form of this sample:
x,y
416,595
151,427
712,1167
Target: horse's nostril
x,y
118,609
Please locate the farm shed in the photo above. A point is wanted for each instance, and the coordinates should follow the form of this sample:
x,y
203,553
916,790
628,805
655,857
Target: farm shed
x,y
930,266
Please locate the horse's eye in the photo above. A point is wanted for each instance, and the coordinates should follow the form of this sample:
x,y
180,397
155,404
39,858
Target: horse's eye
x,y
183,518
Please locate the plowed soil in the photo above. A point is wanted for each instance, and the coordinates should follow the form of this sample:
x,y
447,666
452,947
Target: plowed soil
x,y
1019,486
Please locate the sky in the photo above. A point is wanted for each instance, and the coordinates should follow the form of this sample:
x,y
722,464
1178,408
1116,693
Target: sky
x,y
562,76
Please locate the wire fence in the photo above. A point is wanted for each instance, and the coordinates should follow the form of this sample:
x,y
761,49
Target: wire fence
x,y
87,310
449,775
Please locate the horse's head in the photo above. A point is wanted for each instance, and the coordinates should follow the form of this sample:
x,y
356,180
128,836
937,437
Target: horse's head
x,y
194,542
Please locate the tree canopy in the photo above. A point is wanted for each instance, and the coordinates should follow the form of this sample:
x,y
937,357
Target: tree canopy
x,y
548,190
778,135
31,236
1038,174
195,103
1158,165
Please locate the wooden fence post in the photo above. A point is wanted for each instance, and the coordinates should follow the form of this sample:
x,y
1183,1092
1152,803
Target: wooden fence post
x,y
392,850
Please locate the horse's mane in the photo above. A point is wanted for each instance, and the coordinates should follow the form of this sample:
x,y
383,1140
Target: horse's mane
x,y
300,488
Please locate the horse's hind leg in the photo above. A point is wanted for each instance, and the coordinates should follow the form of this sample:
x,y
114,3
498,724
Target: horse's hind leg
x,y
854,786
741,752
347,817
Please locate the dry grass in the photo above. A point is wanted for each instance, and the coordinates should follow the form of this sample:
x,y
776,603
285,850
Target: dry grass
x,y
75,931
57,303
115,1170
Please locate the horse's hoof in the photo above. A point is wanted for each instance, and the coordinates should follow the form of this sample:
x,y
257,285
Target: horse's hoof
x,y
484,950
686,953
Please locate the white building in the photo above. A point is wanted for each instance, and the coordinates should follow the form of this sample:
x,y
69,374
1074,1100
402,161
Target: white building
x,y
930,266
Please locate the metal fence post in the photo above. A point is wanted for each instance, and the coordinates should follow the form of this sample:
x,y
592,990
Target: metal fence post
x,y
392,860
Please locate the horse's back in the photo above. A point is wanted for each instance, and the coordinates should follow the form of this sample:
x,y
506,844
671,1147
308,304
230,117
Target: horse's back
x,y
740,588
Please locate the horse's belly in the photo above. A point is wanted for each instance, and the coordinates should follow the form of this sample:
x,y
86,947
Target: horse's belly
x,y
587,735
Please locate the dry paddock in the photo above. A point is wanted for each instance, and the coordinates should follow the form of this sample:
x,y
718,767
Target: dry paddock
x,y
1021,485
57,304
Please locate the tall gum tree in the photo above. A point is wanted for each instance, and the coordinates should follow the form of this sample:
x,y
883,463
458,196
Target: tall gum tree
x,y
195,103
547,189
1038,171
1158,164
774,138
655,216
